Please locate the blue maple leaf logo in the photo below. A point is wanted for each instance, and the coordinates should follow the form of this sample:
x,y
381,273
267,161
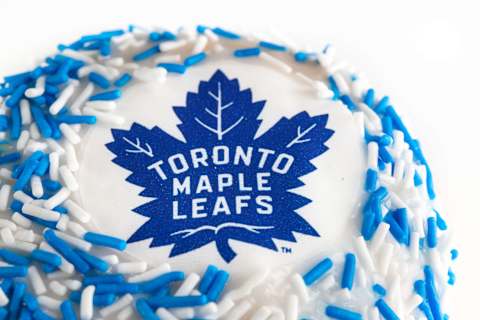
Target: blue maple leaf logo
x,y
223,182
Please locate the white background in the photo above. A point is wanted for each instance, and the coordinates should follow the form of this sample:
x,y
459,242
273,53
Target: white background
x,y
424,54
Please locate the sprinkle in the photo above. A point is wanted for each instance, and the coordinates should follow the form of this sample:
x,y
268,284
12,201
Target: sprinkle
x,y
76,211
36,281
247,52
123,80
86,303
371,180
454,254
66,251
189,285
432,232
62,99
99,80
120,304
385,310
46,257
13,258
431,293
239,310
107,278
177,301
207,279
131,267
349,271
146,54
106,96
194,59
341,314
369,98
292,307
16,299
317,271
10,157
16,96
57,199
173,67
41,213
150,274
25,113
144,310
377,288
277,63
16,123
104,240
217,286
226,34
300,288
272,46
41,122
364,254
66,308
160,281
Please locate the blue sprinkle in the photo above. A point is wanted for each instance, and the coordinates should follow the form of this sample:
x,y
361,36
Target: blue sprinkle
x,y
40,315
432,232
16,123
334,87
368,224
451,277
13,272
47,268
123,80
431,293
29,167
43,165
395,229
379,289
99,80
217,286
104,240
348,102
380,194
16,96
146,54
371,180
247,52
99,300
51,185
382,105
272,46
3,313
41,122
177,301
95,262
441,224
25,314
106,278
10,157
3,123
74,119
194,59
317,271
30,301
117,288
226,34
207,279
107,95
160,281
301,56
201,28
66,251
145,311
13,258
417,180
67,310
16,299
173,67
398,123
341,313
387,125
385,310
56,133
348,276
369,98
105,49
454,254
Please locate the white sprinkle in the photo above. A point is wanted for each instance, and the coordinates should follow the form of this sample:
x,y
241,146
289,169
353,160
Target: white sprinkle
x,y
110,259
172,45
121,303
7,236
33,146
62,99
5,196
38,90
206,310
4,223
23,139
105,106
62,223
248,286
200,44
57,288
21,220
49,303
103,70
59,275
184,313
277,63
145,74
68,178
36,281
72,284
359,118
412,303
164,314
86,303
55,146
364,254
238,311
150,274
300,288
26,235
277,314
57,199
415,245
23,246
125,314
115,62
224,306
262,313
104,117
211,35
69,133
292,307
168,58
78,55
76,211
76,228
5,174
82,98
54,159
39,212
71,157
131,267
385,257
341,83
76,242
37,187
188,285
372,152
3,298
362,277
379,237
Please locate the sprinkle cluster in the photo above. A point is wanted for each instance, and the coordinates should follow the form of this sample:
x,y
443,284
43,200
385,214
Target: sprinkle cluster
x,y
54,266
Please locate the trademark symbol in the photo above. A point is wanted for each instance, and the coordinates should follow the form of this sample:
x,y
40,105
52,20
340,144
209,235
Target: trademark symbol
x,y
286,250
